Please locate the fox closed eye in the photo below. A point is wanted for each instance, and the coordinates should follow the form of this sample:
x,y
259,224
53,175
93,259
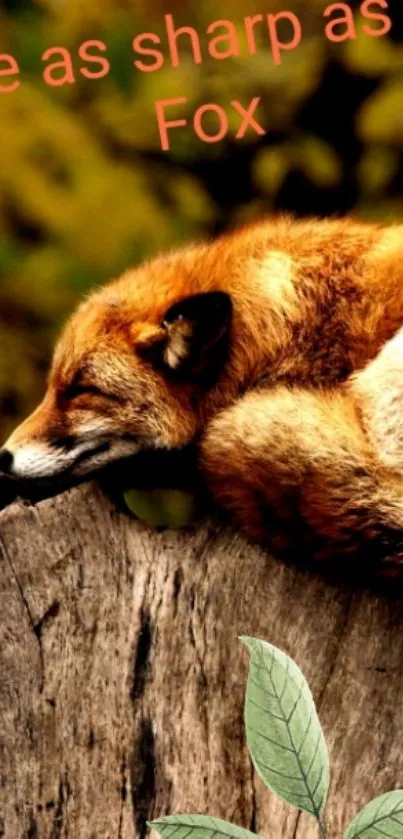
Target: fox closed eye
x,y
74,390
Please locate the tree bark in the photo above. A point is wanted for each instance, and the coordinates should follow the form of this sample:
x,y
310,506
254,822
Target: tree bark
x,y
122,680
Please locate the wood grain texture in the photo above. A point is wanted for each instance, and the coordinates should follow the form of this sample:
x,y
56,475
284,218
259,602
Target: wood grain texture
x,y
122,681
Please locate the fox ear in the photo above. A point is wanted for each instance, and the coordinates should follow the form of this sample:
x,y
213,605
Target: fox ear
x,y
196,334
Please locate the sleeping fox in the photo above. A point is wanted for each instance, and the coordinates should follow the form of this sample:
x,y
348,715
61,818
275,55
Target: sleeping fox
x,y
278,351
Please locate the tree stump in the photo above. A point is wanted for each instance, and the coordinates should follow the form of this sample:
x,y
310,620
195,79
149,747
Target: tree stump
x,y
122,680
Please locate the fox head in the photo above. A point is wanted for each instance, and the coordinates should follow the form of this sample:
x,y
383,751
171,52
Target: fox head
x,y
128,374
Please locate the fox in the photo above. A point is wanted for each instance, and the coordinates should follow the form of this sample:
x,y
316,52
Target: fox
x,y
276,350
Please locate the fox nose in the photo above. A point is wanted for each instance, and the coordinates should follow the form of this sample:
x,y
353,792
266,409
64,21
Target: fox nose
x,y
6,461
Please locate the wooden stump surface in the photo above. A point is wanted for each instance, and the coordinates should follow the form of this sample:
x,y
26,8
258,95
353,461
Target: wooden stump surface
x,y
122,680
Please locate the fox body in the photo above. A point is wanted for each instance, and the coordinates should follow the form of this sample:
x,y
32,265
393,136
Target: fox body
x,y
277,350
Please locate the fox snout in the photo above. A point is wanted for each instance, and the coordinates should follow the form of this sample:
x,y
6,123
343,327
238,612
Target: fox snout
x,y
46,460
27,452
38,450
68,460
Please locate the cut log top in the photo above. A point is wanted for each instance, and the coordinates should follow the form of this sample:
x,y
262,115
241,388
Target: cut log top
x,y
122,680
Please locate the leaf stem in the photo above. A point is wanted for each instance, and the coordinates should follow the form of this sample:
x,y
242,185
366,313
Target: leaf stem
x,y
322,829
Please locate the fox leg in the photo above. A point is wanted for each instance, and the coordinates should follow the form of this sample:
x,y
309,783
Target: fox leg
x,y
310,472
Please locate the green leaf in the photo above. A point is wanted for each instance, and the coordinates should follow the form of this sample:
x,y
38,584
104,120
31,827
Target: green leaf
x,y
171,508
270,168
377,168
379,121
198,827
283,732
372,57
382,817
319,161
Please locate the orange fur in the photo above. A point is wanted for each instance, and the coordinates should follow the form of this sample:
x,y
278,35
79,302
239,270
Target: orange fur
x,y
290,420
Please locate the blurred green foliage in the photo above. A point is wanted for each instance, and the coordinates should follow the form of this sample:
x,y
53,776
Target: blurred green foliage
x,y
85,189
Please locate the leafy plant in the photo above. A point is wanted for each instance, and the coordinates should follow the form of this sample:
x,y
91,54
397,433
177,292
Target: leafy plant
x,y
288,749
283,732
